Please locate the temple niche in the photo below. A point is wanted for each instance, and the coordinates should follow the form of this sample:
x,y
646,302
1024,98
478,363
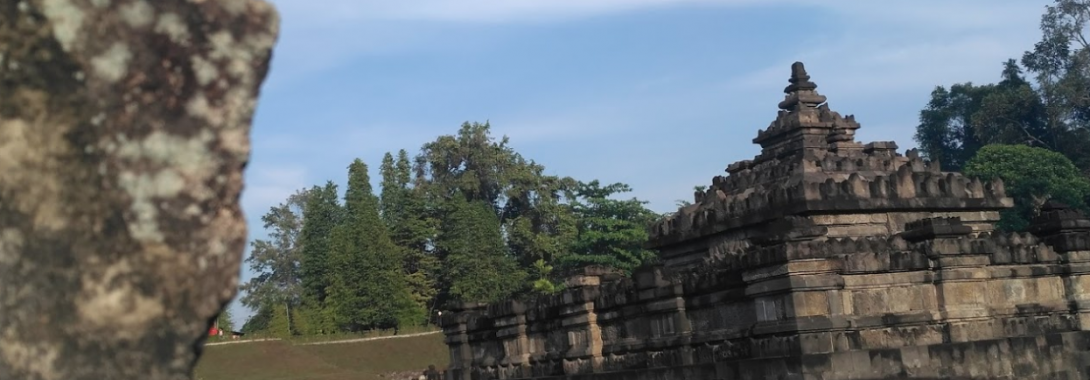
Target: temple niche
x,y
820,258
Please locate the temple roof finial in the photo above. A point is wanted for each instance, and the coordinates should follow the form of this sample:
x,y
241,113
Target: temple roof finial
x,y
801,92
799,79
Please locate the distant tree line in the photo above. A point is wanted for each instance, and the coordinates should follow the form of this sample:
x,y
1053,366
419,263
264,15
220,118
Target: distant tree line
x,y
467,219
1033,132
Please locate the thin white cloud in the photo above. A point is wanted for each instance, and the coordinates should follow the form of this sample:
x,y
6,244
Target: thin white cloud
x,y
319,38
482,11
548,126
267,185
939,13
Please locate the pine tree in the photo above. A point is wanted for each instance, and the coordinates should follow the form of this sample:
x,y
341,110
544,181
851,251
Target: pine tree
x,y
612,232
370,289
322,214
476,264
406,216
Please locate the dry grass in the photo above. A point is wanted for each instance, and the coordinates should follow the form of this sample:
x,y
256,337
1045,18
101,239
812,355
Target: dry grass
x,y
278,360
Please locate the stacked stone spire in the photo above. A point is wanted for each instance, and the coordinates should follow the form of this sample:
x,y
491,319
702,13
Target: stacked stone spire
x,y
805,122
810,165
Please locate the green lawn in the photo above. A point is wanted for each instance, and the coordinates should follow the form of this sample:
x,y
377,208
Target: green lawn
x,y
278,360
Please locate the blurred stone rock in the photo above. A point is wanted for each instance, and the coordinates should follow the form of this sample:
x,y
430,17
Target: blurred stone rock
x,y
124,130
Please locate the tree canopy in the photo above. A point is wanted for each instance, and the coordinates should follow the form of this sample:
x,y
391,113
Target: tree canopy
x,y
1031,177
468,219
1050,109
1031,128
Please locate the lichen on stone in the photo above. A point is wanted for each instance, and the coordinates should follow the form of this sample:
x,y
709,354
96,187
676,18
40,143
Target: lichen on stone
x,y
123,133
172,25
113,63
138,13
67,19
111,304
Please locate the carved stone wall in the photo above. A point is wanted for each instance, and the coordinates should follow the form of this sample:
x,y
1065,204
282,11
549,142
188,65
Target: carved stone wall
x,y
821,258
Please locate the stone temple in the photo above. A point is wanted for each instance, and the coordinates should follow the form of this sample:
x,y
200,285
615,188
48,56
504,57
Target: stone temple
x,y
821,258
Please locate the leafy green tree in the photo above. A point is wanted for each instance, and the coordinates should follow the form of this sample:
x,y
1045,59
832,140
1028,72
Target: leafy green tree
x,y
279,322
276,261
945,132
405,212
1061,64
1031,176
473,168
611,232
1052,112
321,215
1012,113
369,289
476,265
538,226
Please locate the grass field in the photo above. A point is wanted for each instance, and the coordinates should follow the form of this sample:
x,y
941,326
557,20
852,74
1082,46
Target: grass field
x,y
280,360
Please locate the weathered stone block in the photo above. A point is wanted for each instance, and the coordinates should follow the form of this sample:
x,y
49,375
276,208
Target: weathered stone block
x,y
124,131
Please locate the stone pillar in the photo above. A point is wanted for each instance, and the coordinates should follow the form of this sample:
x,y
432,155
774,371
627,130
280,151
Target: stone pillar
x,y
961,276
581,322
664,304
1067,231
509,320
455,324
683,329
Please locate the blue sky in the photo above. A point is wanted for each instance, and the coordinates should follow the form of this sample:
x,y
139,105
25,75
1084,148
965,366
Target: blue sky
x,y
659,94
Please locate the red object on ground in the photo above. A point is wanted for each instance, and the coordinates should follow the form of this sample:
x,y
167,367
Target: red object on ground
x,y
212,331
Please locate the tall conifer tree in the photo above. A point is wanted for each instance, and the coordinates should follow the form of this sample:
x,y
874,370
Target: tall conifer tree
x,y
405,213
322,214
370,289
476,263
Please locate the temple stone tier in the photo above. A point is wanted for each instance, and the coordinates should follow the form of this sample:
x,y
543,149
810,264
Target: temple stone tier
x,y
811,166
821,258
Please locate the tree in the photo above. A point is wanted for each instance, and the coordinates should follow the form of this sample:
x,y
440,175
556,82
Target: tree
x,y
279,324
1031,176
276,261
321,215
260,320
369,288
543,281
1061,64
404,210
225,321
1052,112
611,232
1012,113
476,266
945,132
471,168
